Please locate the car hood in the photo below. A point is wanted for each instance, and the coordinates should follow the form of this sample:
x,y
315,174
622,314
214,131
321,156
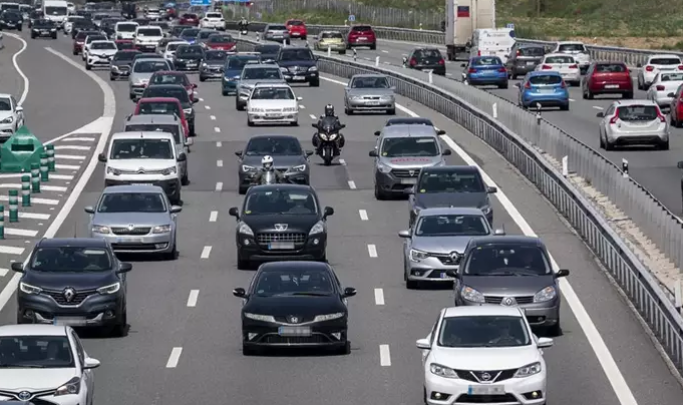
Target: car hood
x,y
252,83
135,76
305,308
440,244
106,52
279,162
508,285
5,114
233,73
302,63
485,359
149,38
272,104
136,164
27,379
370,92
266,223
432,200
132,218
187,57
79,281
408,162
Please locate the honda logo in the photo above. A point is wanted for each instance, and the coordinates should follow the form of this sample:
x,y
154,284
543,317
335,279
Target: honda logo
x,y
294,319
281,227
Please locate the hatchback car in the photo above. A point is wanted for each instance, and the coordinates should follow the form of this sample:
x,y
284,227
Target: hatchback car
x,y
276,32
427,59
212,65
189,19
232,70
361,35
142,71
121,64
486,71
296,29
662,88
332,40
370,92
544,89
577,50
607,78
657,64
565,65
633,122
523,59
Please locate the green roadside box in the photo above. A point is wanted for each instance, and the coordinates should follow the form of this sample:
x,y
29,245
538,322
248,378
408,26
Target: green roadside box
x,y
19,151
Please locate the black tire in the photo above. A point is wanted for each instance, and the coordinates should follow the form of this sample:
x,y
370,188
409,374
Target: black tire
x,y
379,194
112,78
243,190
54,36
348,111
202,78
21,320
346,349
628,96
88,67
555,330
121,327
242,264
503,86
373,47
172,255
224,93
664,146
249,351
192,131
391,112
412,284
342,52
315,83
238,106
565,107
74,52
184,180
249,123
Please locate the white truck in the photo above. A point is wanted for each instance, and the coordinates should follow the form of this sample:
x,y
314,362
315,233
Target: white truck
x,y
462,18
56,11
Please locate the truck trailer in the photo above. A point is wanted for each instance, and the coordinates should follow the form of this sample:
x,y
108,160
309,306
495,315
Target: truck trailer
x,y
462,18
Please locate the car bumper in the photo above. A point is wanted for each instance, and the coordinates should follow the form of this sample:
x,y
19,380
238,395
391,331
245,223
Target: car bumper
x,y
437,70
611,88
546,100
211,74
186,66
263,118
487,80
312,249
96,310
275,38
230,87
120,72
430,270
642,138
45,34
389,183
362,42
379,105
170,187
245,178
153,243
146,47
137,89
333,47
300,77
6,131
216,25
524,68
257,334
663,101
573,77
98,62
541,314
11,26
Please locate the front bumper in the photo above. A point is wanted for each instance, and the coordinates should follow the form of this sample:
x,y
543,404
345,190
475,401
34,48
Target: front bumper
x,y
95,61
539,314
137,89
313,248
524,67
150,243
171,187
391,184
301,77
6,131
211,73
381,104
245,178
47,398
45,33
187,66
95,310
319,334
430,270
11,26
119,71
229,86
273,118
146,47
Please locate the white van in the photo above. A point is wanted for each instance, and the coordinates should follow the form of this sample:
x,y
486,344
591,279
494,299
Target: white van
x,y
493,42
56,11
125,29
147,38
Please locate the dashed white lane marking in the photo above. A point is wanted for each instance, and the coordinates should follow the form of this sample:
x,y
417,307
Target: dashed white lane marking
x,y
219,163
385,51
313,117
61,176
39,201
42,187
206,252
10,250
572,100
78,139
213,216
379,296
219,186
372,250
192,298
405,54
174,357
303,107
67,167
342,162
72,147
216,129
207,107
449,74
30,215
219,144
201,99
597,107
384,356
363,215
3,272
21,232
352,184
59,156
213,118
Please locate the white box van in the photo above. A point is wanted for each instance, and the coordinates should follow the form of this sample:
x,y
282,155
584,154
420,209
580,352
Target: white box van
x,y
125,29
493,42
56,11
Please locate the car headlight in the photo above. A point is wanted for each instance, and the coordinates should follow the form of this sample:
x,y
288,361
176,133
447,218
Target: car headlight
x,y
141,81
115,172
283,69
259,317
169,171
417,255
383,168
29,289
115,68
472,295
109,289
319,227
297,169
313,69
101,229
244,229
442,371
546,294
328,317
72,387
7,120
162,229
204,65
528,370
486,209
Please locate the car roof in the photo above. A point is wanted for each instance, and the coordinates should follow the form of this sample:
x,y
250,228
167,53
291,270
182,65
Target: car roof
x,y
634,102
159,99
507,239
166,86
78,242
368,75
289,187
570,43
408,121
278,136
133,188
450,211
482,310
32,330
405,131
544,73
142,135
296,48
299,265
153,119
450,168
281,85
260,66
664,55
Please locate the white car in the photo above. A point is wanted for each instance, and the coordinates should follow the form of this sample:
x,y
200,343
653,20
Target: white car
x,y
577,50
11,116
171,47
213,20
663,85
656,64
273,104
69,23
564,64
153,14
100,53
147,38
88,40
49,366
475,352
125,29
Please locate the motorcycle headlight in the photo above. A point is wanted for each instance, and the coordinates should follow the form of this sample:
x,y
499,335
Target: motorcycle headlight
x,y
472,295
297,169
169,171
417,255
7,120
187,111
115,172
328,317
29,289
101,229
333,137
244,229
259,317
442,371
324,137
383,168
72,387
319,227
546,294
246,168
313,69
528,370
162,229
109,289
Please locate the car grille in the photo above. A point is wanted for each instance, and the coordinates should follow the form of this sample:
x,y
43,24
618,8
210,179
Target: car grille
x,y
498,300
476,376
298,69
408,173
128,231
446,259
281,237
40,401
124,68
487,399
295,340
135,246
300,319
78,298
142,171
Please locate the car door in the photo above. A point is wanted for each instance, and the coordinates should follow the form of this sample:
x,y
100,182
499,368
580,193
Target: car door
x,y
18,112
604,123
86,375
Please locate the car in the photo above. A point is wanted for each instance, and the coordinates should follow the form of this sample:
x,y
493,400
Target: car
x,y
88,40
212,65
676,108
662,88
410,121
232,71
144,157
11,116
79,40
100,53
189,19
296,29
523,59
607,78
213,20
299,65
73,281
136,219
164,122
180,93
436,242
276,32
125,44
82,25
268,52
297,230
44,28
33,17
163,105
656,64
125,30
289,158
220,42
401,152
367,92
633,122
169,51
577,50
332,40
97,18
450,186
175,30
188,57
189,35
263,73
486,71
48,358
153,13
147,38
295,305
173,77
564,64
361,35
141,72
204,35
543,89
428,59
272,103
164,25
11,20
463,361
108,26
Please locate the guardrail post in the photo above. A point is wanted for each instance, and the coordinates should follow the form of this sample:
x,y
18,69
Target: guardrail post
x,y
538,114
44,172
420,26
430,76
565,166
329,51
405,62
35,178
14,206
376,61
258,37
494,107
2,222
25,190
355,54
50,150
346,23
239,34
624,167
678,296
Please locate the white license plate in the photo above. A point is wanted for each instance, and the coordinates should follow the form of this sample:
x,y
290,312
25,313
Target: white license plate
x,y
611,86
408,181
298,78
295,34
486,390
69,321
128,240
362,38
294,331
546,91
530,63
372,103
281,246
274,115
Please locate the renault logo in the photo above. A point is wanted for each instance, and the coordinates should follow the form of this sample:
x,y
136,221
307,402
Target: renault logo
x,y
69,294
454,256
485,377
294,319
281,227
509,301
131,227
24,395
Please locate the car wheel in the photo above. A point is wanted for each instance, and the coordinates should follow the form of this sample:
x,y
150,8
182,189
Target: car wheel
x,y
348,111
88,67
184,180
243,189
249,351
224,93
132,96
664,145
373,47
555,330
391,111
674,123
242,264
249,123
112,78
379,194
121,327
342,52
412,284
173,254
20,319
602,142
202,78
503,86
565,107
608,145
315,83
346,349
628,96
239,107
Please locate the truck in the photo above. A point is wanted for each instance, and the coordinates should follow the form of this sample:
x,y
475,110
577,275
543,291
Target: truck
x,y
56,11
462,18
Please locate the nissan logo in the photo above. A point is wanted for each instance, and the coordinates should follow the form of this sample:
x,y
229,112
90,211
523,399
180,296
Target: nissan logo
x,y
485,377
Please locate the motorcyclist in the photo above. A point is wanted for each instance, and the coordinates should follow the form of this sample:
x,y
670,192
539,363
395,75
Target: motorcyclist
x,y
243,24
267,166
329,112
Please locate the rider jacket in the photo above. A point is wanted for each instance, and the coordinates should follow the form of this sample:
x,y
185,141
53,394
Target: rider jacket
x,y
279,178
322,118
243,23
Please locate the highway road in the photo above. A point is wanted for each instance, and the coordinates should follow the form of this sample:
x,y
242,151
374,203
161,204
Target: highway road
x,y
184,339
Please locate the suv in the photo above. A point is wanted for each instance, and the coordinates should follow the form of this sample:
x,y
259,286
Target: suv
x,y
253,75
298,65
401,152
144,157
523,59
361,35
233,70
607,78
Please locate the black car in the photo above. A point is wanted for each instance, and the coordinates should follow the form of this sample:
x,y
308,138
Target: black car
x,y
43,28
426,59
33,17
189,34
523,59
121,64
82,25
212,67
268,51
176,30
281,222
295,304
450,186
11,20
179,92
300,64
78,281
188,57
289,158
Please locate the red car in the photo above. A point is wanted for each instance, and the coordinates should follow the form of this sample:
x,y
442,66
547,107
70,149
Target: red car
x,y
607,78
79,40
162,105
220,42
361,35
297,29
125,44
676,108
189,19
173,77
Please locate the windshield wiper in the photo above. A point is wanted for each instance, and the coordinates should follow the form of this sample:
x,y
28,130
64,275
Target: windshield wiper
x,y
22,366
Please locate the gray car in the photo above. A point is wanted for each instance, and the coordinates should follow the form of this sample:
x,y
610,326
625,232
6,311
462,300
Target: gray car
x,y
435,245
401,152
276,32
369,92
288,158
511,271
142,71
266,73
136,219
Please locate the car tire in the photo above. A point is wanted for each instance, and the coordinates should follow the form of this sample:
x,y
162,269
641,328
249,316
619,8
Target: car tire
x,y
243,190
185,181
202,78
249,351
74,52
555,330
295,124
54,36
192,131
112,78
379,194
503,86
88,67
373,47
412,284
121,327
664,145
673,122
242,264
19,29
564,108
391,111
628,96
348,111
33,36
249,123
602,142
224,93
346,349
608,145
20,319
315,83
173,254
342,52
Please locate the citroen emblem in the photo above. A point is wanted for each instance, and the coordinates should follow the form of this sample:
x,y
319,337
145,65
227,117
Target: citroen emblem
x,y
294,319
485,377
281,227
69,294
411,172
509,301
141,170
24,395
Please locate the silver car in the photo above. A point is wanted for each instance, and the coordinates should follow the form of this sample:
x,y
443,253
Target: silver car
x,y
633,122
267,73
136,219
276,32
401,152
437,242
369,92
142,71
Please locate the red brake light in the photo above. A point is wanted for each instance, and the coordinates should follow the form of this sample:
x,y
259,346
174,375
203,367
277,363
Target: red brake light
x,y
573,66
660,88
502,70
413,62
680,67
563,85
649,68
518,52
527,85
614,119
546,67
478,53
471,70
441,62
662,118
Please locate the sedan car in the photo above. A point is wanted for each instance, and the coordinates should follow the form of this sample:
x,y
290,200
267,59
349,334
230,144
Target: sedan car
x,y
253,74
100,53
212,65
141,72
486,71
11,116
332,40
44,28
213,20
295,304
122,63
437,242
663,85
607,78
428,59
511,271
543,89
563,64
173,77
273,103
189,35
633,122
369,92
281,222
276,32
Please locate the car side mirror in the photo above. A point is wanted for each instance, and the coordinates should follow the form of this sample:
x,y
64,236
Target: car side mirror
x,y
423,344
102,158
562,273
679,165
518,85
544,342
89,363
349,292
194,100
639,65
600,114
233,212
372,153
238,153
314,125
189,142
309,153
182,157
499,232
328,211
299,98
176,209
378,133
491,190
404,234
125,267
17,266
447,152
19,109
452,273
89,209
239,292
671,95
440,132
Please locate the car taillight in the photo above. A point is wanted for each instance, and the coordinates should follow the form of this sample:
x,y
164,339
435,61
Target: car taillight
x,y
563,85
546,67
502,69
478,53
680,67
661,116
614,119
518,52
471,70
413,62
660,88
573,66
527,85
649,68
441,62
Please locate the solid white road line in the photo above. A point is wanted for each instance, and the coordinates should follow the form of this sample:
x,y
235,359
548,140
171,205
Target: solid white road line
x,y
174,357
213,216
372,250
379,296
206,252
219,186
216,129
67,167
60,176
30,215
71,147
219,163
384,356
303,107
192,298
363,215
78,139
21,232
11,250
42,187
219,144
352,184
59,156
39,201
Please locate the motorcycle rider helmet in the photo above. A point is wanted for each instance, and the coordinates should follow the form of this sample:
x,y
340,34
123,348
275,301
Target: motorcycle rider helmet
x,y
267,163
329,110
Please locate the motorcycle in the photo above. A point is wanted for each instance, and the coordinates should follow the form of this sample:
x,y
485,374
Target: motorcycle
x,y
329,141
244,29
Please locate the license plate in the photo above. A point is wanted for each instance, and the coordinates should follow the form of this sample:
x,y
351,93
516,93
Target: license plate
x,y
486,390
372,103
295,34
298,78
546,91
128,240
530,63
281,246
145,184
408,181
611,86
69,321
274,115
294,331
362,38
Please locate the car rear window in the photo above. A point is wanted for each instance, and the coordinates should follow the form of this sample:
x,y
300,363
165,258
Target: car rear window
x,y
428,53
171,129
637,113
545,80
610,68
665,61
559,59
572,48
277,28
296,22
362,28
531,52
492,61
671,77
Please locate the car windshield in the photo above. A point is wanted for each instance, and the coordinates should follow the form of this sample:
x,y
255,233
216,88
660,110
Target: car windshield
x,y
272,93
240,62
131,202
293,282
559,59
161,24
189,51
487,61
409,147
542,80
268,49
611,68
450,182
30,351
484,331
189,16
126,27
82,35
452,225
273,27
121,45
531,51
71,259
370,82
150,66
55,10
276,146
214,15
261,73
221,39
173,46
671,77
142,149
205,34
92,38
507,260
215,56
189,33
665,61
170,128
176,92
638,113
163,107
124,56
5,104
572,48
273,201
149,32
103,46
296,55
295,22
409,121
166,78
331,35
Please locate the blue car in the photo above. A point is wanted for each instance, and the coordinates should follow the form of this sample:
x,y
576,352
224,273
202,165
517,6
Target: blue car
x,y
486,71
543,88
189,35
233,70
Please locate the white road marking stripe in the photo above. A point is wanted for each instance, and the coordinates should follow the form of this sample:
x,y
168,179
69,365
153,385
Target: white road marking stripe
x,y
39,201
201,99
213,118
372,250
71,147
385,51
61,176
3,272
174,357
42,187
11,250
78,139
192,299
206,252
219,163
342,162
313,117
352,184
207,107
598,108
363,215
303,107
59,156
67,167
572,100
30,215
384,356
21,232
219,186
379,296
219,144
216,129
213,216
